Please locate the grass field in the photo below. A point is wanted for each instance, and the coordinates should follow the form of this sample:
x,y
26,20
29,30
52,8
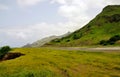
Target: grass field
x,y
48,62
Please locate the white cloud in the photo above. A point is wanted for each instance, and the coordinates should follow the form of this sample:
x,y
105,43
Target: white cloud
x,y
81,10
3,7
114,2
24,3
58,1
31,33
17,35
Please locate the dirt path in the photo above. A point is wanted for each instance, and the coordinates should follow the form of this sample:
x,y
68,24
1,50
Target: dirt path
x,y
91,49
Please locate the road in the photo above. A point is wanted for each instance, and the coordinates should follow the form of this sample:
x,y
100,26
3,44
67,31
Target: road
x,y
91,49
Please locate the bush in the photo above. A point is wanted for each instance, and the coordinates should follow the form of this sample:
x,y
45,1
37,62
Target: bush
x,y
75,37
67,40
113,18
103,42
111,41
56,40
114,38
4,50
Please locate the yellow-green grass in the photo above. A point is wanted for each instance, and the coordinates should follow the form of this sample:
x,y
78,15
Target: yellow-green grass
x,y
48,62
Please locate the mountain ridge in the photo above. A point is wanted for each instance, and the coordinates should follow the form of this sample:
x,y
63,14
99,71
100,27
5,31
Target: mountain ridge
x,y
45,40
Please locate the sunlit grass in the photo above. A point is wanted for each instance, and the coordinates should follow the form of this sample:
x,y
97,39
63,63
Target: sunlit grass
x,y
48,62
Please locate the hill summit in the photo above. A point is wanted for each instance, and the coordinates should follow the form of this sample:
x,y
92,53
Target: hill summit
x,y
104,29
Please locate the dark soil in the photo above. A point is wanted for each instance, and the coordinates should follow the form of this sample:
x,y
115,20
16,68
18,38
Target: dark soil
x,y
9,56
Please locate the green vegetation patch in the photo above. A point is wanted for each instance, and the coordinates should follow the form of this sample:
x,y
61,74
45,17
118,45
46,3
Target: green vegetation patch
x,y
4,50
111,41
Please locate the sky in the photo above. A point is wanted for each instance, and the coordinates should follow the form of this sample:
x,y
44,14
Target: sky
x,y
26,21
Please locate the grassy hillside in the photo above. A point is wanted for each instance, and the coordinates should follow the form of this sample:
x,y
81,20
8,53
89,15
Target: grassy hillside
x,y
102,27
48,62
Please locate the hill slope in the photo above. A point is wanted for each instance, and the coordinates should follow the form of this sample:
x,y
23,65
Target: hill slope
x,y
102,27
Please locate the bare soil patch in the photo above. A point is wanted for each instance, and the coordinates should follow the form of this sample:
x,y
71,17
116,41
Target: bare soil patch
x,y
12,55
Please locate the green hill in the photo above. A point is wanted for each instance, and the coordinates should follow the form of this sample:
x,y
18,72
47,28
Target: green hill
x,y
102,28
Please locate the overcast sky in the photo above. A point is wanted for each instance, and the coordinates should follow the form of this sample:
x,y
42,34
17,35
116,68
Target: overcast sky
x,y
25,21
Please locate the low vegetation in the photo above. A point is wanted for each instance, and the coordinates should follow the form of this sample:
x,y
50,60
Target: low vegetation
x,y
4,50
111,41
49,62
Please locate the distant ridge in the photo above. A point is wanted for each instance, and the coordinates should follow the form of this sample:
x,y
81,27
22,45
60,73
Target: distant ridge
x,y
45,40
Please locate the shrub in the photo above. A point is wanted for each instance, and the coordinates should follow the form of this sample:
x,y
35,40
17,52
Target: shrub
x,y
113,18
75,36
4,50
115,38
56,40
67,40
111,41
103,42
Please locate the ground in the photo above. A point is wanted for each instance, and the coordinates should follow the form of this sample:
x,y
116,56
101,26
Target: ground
x,y
55,62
